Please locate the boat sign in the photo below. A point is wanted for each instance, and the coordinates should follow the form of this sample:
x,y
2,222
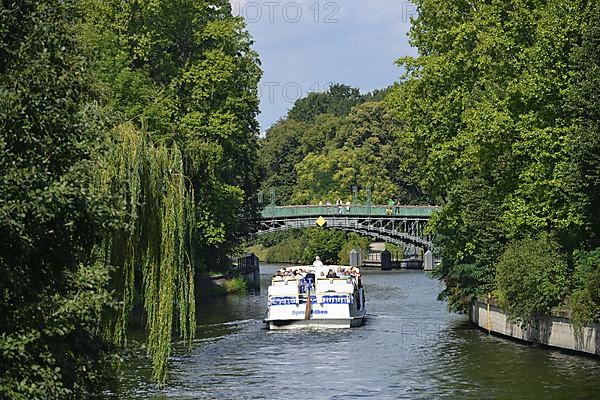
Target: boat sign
x,y
283,301
336,299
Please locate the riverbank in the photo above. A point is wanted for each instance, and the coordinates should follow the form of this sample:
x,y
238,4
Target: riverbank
x,y
555,330
210,287
241,276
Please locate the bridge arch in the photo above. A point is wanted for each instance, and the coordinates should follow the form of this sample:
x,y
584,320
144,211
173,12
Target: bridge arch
x,y
399,225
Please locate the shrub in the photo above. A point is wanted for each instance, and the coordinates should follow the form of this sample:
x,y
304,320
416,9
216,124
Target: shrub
x,y
531,277
236,285
585,300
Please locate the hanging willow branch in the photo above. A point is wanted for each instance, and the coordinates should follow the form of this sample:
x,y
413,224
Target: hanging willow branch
x,y
155,245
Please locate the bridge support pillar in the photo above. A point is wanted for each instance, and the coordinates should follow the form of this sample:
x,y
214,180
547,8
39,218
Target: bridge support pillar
x,y
355,258
428,261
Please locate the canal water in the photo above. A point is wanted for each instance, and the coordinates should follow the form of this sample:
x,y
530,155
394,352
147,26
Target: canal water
x,y
410,348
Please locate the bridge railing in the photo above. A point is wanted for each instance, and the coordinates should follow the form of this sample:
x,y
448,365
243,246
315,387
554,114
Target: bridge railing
x,y
352,210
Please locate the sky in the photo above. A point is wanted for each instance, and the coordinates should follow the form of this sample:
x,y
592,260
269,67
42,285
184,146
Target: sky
x,y
306,45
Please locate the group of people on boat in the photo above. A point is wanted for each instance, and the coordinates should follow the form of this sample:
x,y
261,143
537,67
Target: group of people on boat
x,y
287,274
300,273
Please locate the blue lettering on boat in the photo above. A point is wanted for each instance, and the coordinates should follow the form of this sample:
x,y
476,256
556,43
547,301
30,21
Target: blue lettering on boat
x,y
283,301
319,312
335,299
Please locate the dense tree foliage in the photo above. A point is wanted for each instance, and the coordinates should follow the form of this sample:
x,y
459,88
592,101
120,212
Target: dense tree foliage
x,y
51,293
185,72
337,100
333,141
585,299
127,132
499,113
583,141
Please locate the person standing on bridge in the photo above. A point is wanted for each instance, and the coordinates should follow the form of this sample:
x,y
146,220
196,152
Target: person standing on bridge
x,y
348,207
390,205
338,203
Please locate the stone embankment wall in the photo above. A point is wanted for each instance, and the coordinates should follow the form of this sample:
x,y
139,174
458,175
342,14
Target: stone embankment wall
x,y
555,330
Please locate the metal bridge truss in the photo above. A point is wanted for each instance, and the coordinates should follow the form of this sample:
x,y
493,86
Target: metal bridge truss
x,y
397,230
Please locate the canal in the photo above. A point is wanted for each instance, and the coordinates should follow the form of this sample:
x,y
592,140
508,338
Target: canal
x,y
410,348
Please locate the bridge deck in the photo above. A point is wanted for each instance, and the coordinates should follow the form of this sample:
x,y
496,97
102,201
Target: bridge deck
x,y
354,210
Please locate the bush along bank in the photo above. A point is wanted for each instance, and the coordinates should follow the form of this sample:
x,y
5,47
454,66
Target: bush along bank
x,y
556,329
544,295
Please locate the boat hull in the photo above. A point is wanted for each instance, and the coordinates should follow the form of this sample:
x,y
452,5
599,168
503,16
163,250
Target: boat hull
x,y
339,323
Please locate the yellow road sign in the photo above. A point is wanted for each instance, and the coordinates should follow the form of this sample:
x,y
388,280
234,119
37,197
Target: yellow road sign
x,y
321,221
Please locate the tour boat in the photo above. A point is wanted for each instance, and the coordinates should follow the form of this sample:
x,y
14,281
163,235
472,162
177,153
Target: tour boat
x,y
303,296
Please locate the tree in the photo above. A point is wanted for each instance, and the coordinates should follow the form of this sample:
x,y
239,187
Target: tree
x,y
186,72
52,293
585,299
149,256
583,180
583,140
358,150
481,113
337,100
323,156
280,151
325,243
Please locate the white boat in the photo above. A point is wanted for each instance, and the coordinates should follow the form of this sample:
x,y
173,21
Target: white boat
x,y
305,297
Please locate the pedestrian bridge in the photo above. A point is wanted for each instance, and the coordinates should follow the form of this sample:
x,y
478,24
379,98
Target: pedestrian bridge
x,y
401,225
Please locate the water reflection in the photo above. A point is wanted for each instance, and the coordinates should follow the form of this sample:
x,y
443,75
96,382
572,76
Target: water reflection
x,y
410,348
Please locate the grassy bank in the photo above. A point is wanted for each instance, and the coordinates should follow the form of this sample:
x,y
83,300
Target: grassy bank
x,y
235,285
209,287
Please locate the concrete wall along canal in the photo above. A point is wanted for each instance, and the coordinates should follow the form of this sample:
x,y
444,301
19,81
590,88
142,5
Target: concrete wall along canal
x,y
555,330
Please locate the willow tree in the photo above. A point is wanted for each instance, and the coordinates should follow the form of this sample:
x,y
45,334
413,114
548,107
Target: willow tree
x,y
185,72
150,255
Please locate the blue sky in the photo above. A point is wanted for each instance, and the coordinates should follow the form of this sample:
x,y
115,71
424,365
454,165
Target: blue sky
x,y
305,45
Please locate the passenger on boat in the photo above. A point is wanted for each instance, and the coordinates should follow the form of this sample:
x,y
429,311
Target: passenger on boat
x,y
343,273
310,279
317,263
331,274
